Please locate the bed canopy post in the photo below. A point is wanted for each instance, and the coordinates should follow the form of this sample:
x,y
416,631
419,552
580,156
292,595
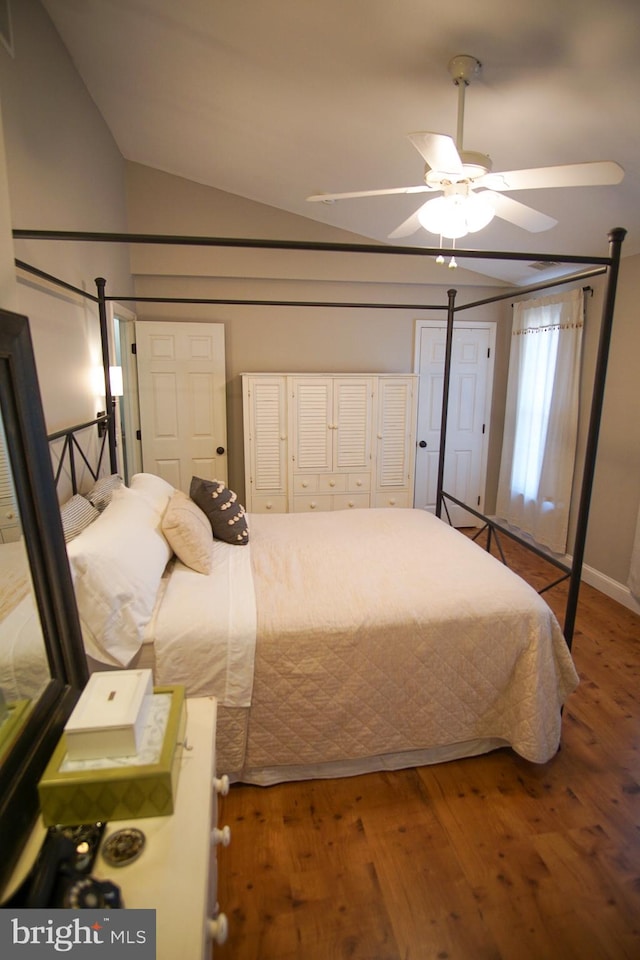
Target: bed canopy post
x,y
616,237
451,294
104,338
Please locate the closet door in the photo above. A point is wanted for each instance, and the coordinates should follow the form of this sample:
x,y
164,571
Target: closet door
x,y
265,443
181,375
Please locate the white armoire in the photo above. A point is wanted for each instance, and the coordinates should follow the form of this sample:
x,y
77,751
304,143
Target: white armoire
x,y
328,441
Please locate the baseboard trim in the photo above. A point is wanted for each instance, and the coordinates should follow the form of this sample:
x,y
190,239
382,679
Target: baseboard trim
x,y
611,588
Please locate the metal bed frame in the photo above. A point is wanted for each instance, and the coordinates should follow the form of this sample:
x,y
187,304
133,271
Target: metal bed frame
x,y
593,266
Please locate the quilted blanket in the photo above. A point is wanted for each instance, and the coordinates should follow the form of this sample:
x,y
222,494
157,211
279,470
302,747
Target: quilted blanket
x,y
383,631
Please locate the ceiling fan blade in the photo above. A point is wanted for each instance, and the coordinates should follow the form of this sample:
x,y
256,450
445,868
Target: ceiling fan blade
x,y
439,151
408,227
518,213
331,197
594,174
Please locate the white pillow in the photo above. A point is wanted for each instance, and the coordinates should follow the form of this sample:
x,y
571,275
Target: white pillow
x,y
153,488
117,564
188,531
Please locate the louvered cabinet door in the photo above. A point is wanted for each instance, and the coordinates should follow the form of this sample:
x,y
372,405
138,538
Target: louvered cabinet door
x,y
313,424
266,443
352,423
395,441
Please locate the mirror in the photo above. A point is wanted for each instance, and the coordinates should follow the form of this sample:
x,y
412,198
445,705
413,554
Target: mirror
x,y
24,668
35,725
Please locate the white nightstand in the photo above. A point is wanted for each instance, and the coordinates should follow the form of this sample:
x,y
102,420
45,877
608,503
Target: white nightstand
x,y
176,874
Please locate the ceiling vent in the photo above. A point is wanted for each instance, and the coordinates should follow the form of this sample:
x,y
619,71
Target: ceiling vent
x,y
544,264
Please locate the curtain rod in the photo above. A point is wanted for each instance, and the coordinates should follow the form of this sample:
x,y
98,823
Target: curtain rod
x,y
264,244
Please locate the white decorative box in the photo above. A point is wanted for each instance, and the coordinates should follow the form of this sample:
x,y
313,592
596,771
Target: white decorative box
x,y
108,719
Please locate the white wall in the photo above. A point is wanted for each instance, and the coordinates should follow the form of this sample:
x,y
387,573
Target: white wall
x,y
63,171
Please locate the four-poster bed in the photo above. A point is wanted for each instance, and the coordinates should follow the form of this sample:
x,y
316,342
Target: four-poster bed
x,y
512,629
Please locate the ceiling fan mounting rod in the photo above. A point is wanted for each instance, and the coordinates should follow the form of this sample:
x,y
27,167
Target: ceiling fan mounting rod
x,y
463,68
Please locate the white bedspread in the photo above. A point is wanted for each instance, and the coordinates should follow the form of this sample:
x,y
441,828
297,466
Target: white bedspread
x,y
205,628
382,631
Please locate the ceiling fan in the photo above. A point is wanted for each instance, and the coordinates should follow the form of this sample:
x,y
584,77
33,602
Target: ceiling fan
x,y
471,194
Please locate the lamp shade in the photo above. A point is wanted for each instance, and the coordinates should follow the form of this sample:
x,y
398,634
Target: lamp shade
x,y
115,381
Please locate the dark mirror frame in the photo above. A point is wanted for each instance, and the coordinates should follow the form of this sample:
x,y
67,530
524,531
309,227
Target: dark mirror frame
x,y
29,455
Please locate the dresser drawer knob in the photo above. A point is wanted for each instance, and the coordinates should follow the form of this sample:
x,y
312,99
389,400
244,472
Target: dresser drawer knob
x,y
221,785
332,483
218,929
313,504
221,836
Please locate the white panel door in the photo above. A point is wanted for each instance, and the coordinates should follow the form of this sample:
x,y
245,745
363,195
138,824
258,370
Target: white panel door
x,y
467,420
181,374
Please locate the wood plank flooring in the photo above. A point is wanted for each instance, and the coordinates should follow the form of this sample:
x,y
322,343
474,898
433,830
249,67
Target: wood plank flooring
x,y
487,858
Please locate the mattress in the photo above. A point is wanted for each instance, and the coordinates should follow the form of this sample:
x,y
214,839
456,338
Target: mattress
x,y
382,638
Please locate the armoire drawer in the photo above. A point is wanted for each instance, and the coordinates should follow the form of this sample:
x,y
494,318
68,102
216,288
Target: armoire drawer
x,y
392,499
351,501
313,503
277,504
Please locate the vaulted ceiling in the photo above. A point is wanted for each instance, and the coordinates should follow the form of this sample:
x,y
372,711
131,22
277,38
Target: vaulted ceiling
x,y
274,100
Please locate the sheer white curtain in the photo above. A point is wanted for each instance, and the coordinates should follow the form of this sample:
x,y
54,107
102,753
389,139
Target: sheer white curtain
x,y
541,423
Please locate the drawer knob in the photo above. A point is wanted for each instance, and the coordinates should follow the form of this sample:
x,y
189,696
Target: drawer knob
x,y
305,483
221,837
358,483
313,504
268,505
221,785
392,501
218,929
332,483
351,503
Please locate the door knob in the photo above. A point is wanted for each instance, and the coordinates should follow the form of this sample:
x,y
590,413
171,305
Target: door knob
x,y
219,451
422,444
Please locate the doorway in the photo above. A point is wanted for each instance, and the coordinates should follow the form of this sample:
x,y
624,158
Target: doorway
x,y
469,414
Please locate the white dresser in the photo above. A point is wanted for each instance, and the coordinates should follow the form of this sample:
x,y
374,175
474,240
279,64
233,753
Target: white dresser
x,y
176,874
316,442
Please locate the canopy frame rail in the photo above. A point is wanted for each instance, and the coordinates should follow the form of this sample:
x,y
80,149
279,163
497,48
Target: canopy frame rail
x,y
495,528
610,265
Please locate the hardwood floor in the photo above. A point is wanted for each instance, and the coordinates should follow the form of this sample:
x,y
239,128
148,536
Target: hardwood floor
x,y
487,858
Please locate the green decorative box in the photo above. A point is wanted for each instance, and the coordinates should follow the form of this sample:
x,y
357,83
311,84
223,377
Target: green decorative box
x,y
124,788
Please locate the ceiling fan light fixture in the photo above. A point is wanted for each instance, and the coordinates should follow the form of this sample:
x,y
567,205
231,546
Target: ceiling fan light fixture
x,y
456,214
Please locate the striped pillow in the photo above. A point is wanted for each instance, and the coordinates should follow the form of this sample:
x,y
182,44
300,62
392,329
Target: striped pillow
x,y
102,491
77,513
